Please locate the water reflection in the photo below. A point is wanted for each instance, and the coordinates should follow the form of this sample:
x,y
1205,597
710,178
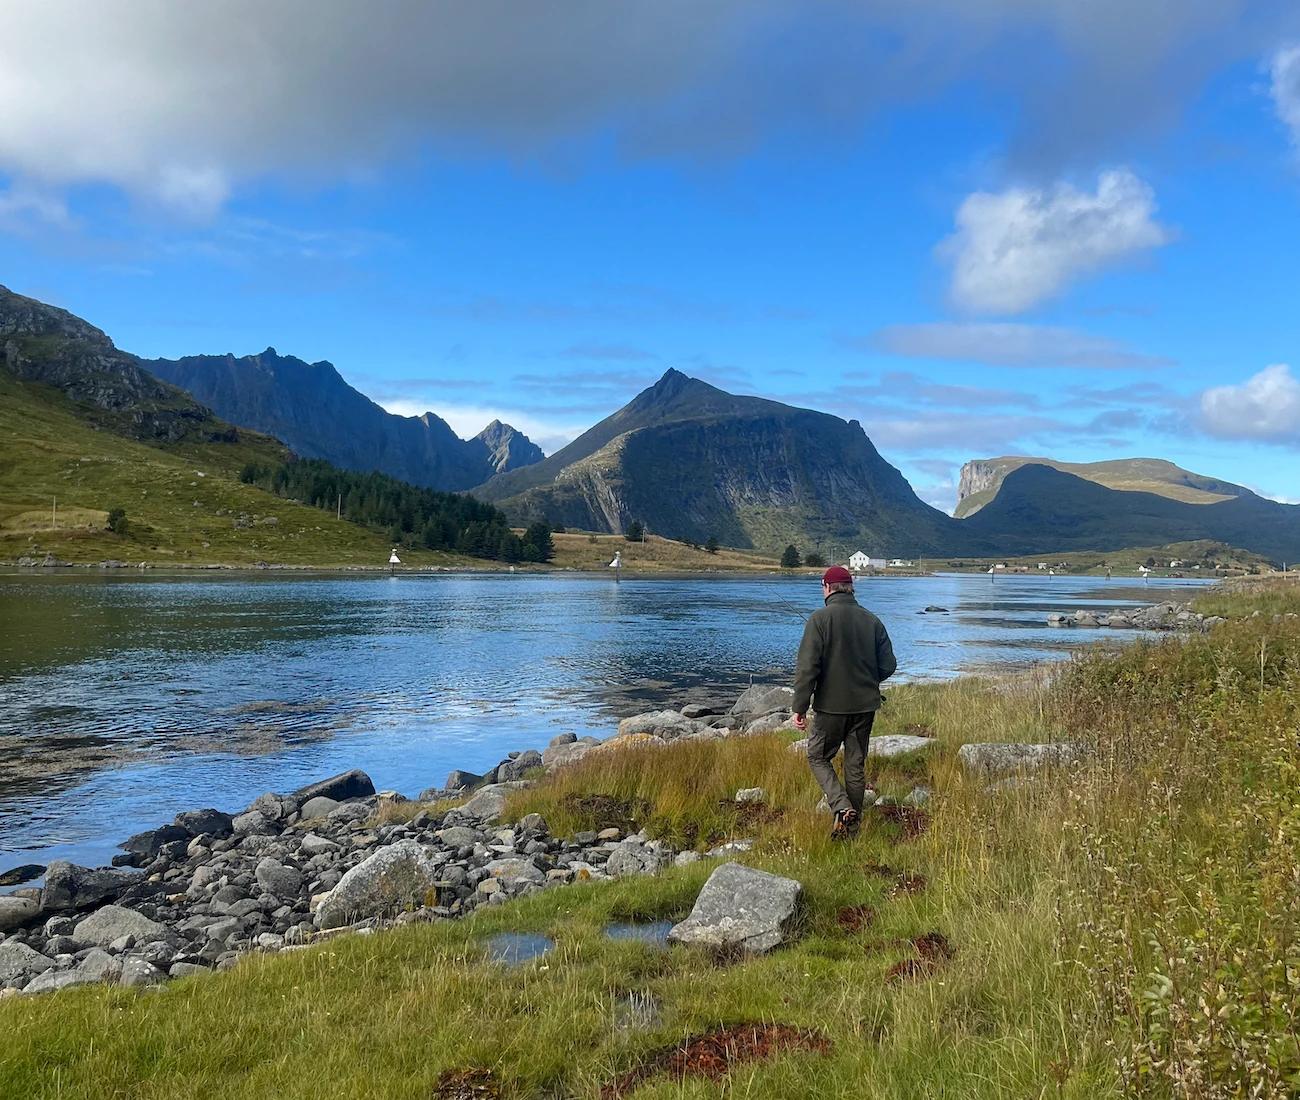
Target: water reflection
x,y
124,700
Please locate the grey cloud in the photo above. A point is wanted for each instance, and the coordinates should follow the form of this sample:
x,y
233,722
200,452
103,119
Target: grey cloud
x,y
1005,344
607,352
180,103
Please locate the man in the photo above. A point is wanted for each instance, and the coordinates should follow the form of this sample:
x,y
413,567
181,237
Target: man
x,y
844,655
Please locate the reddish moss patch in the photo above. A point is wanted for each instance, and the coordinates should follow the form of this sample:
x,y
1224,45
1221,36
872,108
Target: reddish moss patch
x,y
911,820
907,884
854,918
467,1084
932,950
712,1055
879,870
603,811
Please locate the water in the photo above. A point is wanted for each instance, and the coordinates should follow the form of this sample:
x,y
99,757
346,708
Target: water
x,y
124,699
654,933
516,948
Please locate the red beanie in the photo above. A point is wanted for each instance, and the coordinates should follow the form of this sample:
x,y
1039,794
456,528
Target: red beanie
x,y
837,574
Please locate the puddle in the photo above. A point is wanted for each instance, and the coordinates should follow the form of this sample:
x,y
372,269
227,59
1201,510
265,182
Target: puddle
x,y
651,932
514,948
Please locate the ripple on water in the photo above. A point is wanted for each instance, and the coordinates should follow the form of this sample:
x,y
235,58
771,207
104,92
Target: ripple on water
x,y
651,932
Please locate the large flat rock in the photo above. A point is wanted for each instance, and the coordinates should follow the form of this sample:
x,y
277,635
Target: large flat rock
x,y
760,699
896,744
741,907
345,785
112,922
68,886
993,759
399,877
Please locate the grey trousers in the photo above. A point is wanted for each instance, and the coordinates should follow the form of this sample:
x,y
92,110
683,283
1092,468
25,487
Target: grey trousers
x,y
829,732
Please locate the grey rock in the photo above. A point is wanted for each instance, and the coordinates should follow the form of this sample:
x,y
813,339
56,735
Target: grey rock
x,y
68,886
400,876
762,699
314,845
20,963
275,878
318,807
534,823
138,972
511,872
516,767
146,844
769,723
917,796
634,859
250,823
685,859
896,744
751,794
186,969
458,780
556,756
732,847
205,822
489,803
668,724
992,760
459,836
741,907
341,787
25,872
112,922
562,739
16,911
702,710
61,925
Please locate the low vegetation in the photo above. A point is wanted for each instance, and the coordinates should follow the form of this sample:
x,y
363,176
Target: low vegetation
x,y
1130,928
587,551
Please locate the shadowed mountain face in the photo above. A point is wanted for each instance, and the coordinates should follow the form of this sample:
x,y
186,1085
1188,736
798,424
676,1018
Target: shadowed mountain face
x,y
311,408
107,387
691,461
1039,509
981,479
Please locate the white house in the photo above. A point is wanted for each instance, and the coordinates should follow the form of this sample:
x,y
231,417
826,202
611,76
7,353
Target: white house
x,y
859,562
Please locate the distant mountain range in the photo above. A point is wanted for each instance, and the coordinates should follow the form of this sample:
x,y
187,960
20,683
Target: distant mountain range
x,y
685,458
981,479
312,409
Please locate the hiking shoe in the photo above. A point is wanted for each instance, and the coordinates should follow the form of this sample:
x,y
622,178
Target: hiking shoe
x,y
852,822
840,827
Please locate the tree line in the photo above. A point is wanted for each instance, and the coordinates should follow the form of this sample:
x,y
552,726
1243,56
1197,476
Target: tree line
x,y
411,516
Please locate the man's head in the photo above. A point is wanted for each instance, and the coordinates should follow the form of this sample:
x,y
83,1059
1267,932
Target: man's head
x,y
836,579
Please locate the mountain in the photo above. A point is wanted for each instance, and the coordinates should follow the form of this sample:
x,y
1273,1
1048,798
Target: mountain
x,y
1041,509
981,478
691,462
110,389
311,408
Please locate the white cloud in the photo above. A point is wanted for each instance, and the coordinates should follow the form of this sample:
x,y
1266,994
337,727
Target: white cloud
x,y
1265,407
1285,88
1019,247
1009,344
468,420
22,208
182,102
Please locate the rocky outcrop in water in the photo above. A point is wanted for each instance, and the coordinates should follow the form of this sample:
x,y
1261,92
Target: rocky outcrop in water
x,y
1161,616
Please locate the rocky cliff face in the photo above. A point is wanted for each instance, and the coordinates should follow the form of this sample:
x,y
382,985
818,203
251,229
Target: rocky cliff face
x,y
977,476
311,408
691,461
49,346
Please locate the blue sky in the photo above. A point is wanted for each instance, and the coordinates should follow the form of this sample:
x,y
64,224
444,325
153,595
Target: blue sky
x,y
980,228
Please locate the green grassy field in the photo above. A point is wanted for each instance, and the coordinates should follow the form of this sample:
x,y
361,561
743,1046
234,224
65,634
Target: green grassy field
x,y
184,504
1132,928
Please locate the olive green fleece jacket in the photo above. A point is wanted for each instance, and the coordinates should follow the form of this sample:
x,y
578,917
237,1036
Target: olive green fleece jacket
x,y
844,655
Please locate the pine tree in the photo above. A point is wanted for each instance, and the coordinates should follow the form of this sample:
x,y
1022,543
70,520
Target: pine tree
x,y
814,559
635,531
712,545
790,559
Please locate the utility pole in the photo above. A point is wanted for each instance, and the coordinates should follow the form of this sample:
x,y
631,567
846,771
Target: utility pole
x,y
339,514
54,514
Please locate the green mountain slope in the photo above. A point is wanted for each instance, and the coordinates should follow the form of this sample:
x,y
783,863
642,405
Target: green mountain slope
x,y
691,461
982,478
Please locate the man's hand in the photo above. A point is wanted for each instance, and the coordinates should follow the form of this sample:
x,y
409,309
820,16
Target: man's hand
x,y
800,722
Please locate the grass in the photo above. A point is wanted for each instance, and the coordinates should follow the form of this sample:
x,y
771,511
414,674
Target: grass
x,y
183,503
1132,928
1214,558
580,550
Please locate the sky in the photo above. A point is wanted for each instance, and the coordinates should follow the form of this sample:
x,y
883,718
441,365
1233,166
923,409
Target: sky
x,y
979,227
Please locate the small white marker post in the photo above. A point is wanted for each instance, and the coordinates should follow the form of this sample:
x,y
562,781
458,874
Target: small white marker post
x,y
393,559
617,566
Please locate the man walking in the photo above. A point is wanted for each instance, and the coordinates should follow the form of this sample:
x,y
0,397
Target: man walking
x,y
844,655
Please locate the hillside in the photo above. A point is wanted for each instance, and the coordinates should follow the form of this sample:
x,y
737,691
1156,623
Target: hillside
x,y
311,408
1040,509
982,478
691,461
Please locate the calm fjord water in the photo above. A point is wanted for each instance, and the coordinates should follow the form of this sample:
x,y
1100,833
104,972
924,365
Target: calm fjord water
x,y
124,700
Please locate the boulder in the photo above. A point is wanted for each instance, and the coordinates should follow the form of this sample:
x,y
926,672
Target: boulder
x,y
459,836
345,785
515,768
668,724
458,780
399,877
897,744
562,739
1056,618
145,845
252,823
514,872
770,723
741,907
205,823
105,925
19,963
751,794
758,700
993,760
25,872
489,803
702,710
16,911
570,752
635,859
320,806
96,966
314,845
275,878
137,972
68,886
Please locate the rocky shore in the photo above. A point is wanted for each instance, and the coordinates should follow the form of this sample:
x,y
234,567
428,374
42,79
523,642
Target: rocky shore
x,y
196,894
1160,616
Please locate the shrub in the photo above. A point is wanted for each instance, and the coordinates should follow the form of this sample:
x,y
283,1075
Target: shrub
x,y
117,520
791,559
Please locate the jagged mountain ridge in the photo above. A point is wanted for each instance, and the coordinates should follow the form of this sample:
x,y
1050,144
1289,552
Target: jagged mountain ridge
x,y
981,479
316,412
107,387
692,462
